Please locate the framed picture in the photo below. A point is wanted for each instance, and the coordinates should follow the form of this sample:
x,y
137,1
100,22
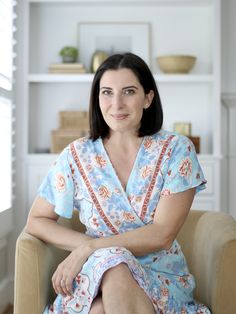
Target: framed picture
x,y
183,128
113,38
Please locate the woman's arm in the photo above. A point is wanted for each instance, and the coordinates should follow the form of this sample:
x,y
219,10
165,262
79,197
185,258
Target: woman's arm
x,y
42,223
170,215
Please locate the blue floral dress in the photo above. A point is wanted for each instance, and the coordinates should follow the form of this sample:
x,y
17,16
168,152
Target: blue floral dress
x,y
84,179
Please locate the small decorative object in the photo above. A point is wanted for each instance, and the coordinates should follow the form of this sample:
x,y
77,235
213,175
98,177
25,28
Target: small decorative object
x,y
97,59
61,138
69,54
74,120
66,68
73,124
196,142
183,128
176,63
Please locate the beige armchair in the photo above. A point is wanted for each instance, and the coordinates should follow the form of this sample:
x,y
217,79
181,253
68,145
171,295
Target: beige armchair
x,y
208,240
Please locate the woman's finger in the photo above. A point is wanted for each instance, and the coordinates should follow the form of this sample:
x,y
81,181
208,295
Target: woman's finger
x,y
62,279
58,282
69,285
62,287
54,283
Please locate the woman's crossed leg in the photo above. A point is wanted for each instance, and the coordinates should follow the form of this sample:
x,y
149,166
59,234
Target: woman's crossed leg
x,y
121,294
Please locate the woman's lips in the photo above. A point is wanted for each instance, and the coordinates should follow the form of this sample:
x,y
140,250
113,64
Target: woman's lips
x,y
119,116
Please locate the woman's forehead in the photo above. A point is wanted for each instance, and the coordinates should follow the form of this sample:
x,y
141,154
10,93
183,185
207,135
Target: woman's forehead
x,y
119,77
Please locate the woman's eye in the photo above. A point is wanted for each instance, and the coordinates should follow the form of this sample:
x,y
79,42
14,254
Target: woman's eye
x,y
129,92
106,92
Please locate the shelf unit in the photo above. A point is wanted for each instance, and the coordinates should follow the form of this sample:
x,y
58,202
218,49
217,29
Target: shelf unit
x,y
176,26
88,77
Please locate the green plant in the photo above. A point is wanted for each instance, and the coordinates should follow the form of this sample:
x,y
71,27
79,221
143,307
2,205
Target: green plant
x,y
69,51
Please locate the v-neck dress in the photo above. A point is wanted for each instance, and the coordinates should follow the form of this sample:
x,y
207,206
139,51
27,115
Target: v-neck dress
x,y
83,179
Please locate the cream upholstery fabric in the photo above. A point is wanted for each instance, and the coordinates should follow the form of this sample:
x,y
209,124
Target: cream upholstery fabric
x,y
208,240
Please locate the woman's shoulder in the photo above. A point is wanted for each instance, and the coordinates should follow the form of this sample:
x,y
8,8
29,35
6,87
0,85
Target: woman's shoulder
x,y
78,144
85,141
172,137
84,145
81,142
175,142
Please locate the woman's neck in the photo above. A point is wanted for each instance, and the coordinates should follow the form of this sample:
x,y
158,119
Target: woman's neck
x,y
122,141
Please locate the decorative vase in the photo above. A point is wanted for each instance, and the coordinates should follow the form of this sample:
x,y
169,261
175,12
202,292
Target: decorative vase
x,y
97,59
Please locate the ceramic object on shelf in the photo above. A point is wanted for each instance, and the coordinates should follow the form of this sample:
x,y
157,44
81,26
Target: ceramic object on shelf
x,y
68,59
176,63
97,59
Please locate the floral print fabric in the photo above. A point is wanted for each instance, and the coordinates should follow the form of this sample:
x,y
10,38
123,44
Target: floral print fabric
x,y
84,179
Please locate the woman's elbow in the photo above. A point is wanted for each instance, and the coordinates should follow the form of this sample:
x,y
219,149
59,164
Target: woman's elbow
x,y
29,227
33,225
167,241
167,244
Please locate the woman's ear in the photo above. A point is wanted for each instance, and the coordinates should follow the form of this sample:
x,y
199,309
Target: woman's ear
x,y
149,98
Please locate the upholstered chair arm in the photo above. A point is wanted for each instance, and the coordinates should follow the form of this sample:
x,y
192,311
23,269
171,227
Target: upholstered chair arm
x,y
34,266
213,262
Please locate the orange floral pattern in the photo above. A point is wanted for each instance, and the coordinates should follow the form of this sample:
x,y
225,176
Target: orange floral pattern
x,y
60,183
100,161
146,171
185,168
128,216
104,192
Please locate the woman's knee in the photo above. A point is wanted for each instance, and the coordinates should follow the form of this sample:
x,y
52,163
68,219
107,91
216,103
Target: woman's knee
x,y
117,275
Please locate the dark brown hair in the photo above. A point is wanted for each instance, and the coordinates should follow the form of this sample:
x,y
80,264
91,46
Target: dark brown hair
x,y
152,118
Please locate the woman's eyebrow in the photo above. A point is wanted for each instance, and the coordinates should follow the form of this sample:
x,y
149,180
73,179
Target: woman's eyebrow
x,y
104,87
126,87
131,86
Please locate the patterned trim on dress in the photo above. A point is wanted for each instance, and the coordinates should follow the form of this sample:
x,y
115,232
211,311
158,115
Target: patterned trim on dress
x,y
151,186
90,189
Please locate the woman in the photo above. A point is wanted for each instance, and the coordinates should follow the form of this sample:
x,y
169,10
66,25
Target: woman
x,y
133,185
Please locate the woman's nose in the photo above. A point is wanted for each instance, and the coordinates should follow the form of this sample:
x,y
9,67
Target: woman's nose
x,y
117,100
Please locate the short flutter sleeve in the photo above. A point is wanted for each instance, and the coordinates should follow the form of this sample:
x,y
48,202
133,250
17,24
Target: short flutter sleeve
x,y
183,171
58,187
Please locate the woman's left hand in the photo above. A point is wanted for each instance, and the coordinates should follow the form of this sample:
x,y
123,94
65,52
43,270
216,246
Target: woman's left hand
x,y
67,270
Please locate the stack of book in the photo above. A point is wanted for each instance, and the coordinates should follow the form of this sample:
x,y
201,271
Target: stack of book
x,y
66,68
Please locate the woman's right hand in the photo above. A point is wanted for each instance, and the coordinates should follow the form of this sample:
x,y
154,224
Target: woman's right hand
x,y
67,270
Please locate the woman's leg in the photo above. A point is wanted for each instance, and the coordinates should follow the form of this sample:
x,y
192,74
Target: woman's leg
x,y
122,294
97,306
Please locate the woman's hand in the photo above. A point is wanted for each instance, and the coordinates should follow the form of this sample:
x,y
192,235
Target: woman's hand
x,y
66,271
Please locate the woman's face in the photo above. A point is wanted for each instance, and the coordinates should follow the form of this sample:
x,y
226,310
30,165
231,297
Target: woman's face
x,y
122,100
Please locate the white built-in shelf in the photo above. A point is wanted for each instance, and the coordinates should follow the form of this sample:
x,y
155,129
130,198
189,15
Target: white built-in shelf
x,y
192,97
184,78
88,77
63,78
41,157
127,2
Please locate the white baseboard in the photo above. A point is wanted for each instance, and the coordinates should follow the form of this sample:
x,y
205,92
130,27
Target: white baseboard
x,y
6,292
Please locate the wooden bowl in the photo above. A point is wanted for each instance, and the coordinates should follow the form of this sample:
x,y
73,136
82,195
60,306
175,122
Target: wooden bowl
x,y
176,63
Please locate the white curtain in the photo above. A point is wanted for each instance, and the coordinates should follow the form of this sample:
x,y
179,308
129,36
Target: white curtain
x,y
7,55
